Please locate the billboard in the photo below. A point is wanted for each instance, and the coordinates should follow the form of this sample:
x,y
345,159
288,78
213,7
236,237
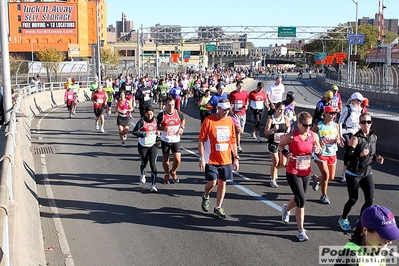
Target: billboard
x,y
49,18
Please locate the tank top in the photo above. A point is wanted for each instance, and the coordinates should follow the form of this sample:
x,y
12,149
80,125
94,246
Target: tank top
x,y
150,128
328,135
301,150
123,106
282,128
171,123
205,100
289,110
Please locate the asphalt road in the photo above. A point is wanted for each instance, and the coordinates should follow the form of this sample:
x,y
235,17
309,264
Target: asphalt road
x,y
94,210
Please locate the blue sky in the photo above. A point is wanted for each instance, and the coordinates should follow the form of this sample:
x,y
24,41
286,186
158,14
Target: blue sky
x,y
248,13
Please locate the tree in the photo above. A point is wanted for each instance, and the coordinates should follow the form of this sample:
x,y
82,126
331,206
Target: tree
x,y
109,58
51,58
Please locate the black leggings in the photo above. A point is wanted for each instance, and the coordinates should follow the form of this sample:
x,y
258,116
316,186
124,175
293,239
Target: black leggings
x,y
352,183
149,154
299,185
257,114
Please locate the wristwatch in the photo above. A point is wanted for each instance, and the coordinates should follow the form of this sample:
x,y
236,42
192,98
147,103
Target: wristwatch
x,y
237,157
182,127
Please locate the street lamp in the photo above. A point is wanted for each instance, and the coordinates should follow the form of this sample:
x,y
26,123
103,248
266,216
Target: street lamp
x,y
356,27
32,42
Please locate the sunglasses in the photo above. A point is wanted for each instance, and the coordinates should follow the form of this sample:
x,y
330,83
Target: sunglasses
x,y
366,122
331,113
306,125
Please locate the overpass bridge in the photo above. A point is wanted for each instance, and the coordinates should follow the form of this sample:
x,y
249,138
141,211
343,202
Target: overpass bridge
x,y
232,59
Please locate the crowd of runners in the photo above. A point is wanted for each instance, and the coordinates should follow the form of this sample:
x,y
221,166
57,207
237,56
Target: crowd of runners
x,y
293,139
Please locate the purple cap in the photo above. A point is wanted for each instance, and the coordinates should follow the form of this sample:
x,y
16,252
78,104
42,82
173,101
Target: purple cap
x,y
381,220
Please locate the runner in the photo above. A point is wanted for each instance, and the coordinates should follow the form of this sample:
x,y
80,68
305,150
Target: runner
x,y
69,99
277,125
99,98
184,91
289,111
325,101
146,130
213,102
122,109
143,95
75,88
171,123
239,101
175,93
216,145
110,93
257,102
163,90
327,130
302,143
204,111
275,94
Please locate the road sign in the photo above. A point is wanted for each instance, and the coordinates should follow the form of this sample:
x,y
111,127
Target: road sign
x,y
286,32
359,39
186,54
320,56
210,48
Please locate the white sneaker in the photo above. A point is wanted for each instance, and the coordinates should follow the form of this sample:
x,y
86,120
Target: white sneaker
x,y
123,144
273,183
124,137
239,149
254,135
154,188
102,129
301,235
343,178
285,216
142,179
97,127
259,139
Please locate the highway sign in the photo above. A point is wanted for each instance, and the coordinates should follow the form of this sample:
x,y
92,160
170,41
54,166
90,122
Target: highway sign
x,y
186,54
352,38
210,48
320,56
286,32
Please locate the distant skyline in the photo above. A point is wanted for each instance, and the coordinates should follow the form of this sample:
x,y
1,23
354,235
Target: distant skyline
x,y
256,13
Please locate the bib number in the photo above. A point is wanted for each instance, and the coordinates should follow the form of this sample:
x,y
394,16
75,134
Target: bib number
x,y
303,162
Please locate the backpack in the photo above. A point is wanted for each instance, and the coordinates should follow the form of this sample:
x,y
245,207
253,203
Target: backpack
x,y
348,115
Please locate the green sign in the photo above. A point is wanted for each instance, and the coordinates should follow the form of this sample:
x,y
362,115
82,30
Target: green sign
x,y
186,54
210,48
286,32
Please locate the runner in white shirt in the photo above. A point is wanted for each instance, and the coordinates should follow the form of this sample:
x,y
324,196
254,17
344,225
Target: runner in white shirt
x,y
275,94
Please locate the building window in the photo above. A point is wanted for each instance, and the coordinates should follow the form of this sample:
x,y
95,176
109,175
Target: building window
x,y
130,53
19,18
195,52
122,52
18,7
19,30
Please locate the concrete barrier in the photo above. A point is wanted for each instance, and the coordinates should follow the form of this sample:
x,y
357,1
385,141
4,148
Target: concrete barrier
x,y
26,238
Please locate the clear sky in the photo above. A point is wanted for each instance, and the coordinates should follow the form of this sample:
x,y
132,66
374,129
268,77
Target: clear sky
x,y
247,13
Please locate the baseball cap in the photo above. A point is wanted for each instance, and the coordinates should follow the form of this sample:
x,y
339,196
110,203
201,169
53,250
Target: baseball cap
x,y
73,80
291,94
381,220
329,109
329,94
358,96
365,102
334,87
224,104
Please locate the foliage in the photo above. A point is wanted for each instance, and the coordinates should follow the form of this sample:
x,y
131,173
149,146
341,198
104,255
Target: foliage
x,y
18,63
51,58
330,46
109,56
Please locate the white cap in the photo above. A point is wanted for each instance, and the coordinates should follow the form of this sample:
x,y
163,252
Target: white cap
x,y
224,105
357,95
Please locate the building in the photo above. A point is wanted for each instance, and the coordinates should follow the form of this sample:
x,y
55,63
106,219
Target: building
x,y
296,44
71,26
124,27
389,24
111,33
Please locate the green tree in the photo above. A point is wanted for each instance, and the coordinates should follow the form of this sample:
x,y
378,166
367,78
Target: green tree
x,y
109,58
51,57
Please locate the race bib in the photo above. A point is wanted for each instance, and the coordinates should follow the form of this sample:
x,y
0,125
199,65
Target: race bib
x,y
172,130
278,137
150,139
303,162
238,106
146,97
100,101
222,135
70,97
259,105
222,147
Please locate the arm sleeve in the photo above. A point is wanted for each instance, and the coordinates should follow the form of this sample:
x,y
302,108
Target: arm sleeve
x,y
136,131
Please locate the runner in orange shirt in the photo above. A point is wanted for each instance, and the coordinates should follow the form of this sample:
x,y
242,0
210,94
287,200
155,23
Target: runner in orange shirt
x,y
217,143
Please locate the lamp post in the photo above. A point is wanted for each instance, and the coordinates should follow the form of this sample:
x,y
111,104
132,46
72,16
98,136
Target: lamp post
x,y
32,42
356,27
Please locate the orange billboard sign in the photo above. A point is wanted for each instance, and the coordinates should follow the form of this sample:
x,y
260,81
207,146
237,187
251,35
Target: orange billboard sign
x,y
49,18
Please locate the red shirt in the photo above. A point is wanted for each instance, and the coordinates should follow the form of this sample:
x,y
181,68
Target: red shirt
x,y
301,150
239,100
257,99
100,98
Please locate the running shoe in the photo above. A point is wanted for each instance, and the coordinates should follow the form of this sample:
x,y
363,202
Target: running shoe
x,y
166,179
175,178
254,135
102,129
219,212
345,224
325,199
123,144
124,137
142,179
273,183
70,116
239,149
154,188
97,127
343,178
301,235
315,184
285,215
205,203
259,139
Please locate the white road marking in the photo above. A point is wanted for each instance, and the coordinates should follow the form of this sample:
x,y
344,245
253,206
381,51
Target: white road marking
x,y
242,188
53,207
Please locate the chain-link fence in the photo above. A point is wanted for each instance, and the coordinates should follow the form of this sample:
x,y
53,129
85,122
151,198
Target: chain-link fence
x,y
379,79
